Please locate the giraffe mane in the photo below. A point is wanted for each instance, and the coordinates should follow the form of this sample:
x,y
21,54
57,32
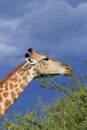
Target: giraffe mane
x,y
12,73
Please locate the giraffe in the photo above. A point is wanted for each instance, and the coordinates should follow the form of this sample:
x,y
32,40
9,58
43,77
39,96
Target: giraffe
x,y
35,65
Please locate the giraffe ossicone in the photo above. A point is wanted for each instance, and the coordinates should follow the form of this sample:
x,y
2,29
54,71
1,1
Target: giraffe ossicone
x,y
35,65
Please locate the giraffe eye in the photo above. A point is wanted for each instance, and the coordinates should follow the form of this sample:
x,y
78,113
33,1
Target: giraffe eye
x,y
31,61
46,59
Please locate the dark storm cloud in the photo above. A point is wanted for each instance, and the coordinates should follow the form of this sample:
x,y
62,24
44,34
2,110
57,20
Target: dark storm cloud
x,y
50,25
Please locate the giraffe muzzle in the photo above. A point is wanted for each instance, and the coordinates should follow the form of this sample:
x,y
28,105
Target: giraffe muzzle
x,y
69,71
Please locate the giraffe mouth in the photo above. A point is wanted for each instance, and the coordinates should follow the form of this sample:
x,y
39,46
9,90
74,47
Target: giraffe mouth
x,y
47,75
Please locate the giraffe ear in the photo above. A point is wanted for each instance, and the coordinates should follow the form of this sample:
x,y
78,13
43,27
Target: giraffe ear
x,y
27,55
30,50
31,61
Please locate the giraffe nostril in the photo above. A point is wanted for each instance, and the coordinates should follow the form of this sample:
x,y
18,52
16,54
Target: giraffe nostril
x,y
67,68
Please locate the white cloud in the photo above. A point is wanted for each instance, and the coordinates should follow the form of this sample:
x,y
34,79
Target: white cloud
x,y
8,55
7,49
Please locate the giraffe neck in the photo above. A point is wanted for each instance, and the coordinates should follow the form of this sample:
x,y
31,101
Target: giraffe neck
x,y
13,85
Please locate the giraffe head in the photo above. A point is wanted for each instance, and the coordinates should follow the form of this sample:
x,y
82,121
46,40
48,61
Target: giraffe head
x,y
43,65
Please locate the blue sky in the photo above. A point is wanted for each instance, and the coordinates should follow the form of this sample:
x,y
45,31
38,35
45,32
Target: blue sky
x,y
57,28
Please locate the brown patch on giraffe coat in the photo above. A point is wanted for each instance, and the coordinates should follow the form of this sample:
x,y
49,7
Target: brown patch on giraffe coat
x,y
14,98
19,80
1,87
17,89
1,114
27,73
6,89
7,103
16,85
0,108
22,86
1,91
1,99
13,94
24,77
35,69
11,86
5,94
